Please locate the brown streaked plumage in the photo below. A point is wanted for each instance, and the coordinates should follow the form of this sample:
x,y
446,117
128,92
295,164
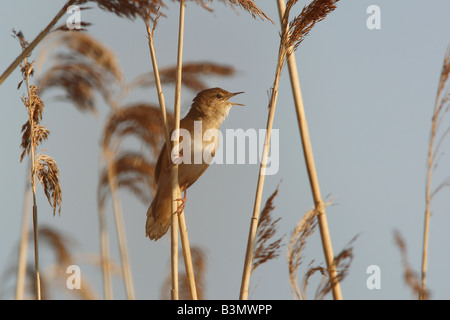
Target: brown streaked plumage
x,y
211,107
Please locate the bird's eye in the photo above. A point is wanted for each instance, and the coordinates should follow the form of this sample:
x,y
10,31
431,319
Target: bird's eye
x,y
219,96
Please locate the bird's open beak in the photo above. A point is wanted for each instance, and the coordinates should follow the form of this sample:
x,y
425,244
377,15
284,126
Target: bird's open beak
x,y
234,103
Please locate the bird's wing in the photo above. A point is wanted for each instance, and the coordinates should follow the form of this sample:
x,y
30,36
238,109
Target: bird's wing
x,y
159,163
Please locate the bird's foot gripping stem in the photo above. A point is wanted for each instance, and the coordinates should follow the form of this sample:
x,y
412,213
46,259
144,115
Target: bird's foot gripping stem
x,y
180,208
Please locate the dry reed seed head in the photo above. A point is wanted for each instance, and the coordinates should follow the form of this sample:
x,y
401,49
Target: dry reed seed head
x,y
40,133
83,27
59,243
445,72
300,26
89,67
204,4
26,68
142,121
342,264
411,278
192,73
250,7
47,173
88,47
26,140
35,104
19,36
311,271
80,82
294,254
304,228
130,9
134,173
267,227
35,108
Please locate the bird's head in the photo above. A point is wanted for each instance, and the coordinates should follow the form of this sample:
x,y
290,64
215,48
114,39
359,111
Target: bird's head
x,y
214,102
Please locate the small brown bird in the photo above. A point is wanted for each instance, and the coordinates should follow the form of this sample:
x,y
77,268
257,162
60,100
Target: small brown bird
x,y
210,108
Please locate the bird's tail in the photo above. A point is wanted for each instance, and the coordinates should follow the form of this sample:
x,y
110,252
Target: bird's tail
x,y
159,216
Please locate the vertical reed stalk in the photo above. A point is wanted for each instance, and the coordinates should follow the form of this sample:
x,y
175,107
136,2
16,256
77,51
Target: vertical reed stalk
x,y
36,249
26,51
426,227
174,172
311,168
188,265
162,105
104,248
120,227
174,168
259,190
22,263
176,190
442,99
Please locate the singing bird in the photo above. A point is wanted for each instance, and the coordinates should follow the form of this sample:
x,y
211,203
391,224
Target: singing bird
x,y
209,108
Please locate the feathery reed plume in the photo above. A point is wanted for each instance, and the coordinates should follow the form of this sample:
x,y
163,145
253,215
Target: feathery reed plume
x,y
304,228
141,120
312,270
192,73
199,263
130,9
59,244
411,278
267,228
88,68
83,27
78,27
250,7
442,100
204,4
47,174
321,9
342,263
301,25
33,133
133,172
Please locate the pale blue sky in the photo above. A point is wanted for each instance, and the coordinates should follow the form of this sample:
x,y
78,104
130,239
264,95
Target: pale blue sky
x,y
368,94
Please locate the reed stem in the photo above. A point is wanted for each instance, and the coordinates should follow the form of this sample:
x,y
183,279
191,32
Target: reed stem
x,y
120,227
260,185
181,219
311,168
104,245
22,263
